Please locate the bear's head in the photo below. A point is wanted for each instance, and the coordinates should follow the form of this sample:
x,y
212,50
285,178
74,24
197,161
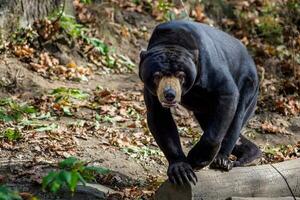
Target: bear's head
x,y
168,72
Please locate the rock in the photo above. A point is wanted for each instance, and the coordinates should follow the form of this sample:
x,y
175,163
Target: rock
x,y
87,192
93,191
98,187
295,125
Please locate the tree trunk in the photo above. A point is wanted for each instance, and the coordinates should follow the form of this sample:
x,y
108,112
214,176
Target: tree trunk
x,y
20,13
255,181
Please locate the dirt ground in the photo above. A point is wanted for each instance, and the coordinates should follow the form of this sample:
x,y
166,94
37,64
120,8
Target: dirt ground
x,y
30,84
96,146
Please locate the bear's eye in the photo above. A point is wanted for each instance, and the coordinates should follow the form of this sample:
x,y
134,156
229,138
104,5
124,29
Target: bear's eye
x,y
156,77
181,76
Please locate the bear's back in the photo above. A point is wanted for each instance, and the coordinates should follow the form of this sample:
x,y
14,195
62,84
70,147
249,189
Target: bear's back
x,y
218,49
189,34
192,35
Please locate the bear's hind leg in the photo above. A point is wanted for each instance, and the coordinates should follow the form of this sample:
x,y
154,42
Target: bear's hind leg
x,y
246,108
247,152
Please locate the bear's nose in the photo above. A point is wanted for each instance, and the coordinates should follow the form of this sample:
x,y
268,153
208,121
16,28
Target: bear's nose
x,y
169,94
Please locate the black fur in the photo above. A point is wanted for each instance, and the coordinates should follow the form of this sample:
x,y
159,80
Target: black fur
x,y
221,89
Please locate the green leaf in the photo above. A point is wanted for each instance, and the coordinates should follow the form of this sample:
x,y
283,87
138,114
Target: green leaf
x,y
28,109
5,117
8,194
32,123
59,90
90,172
11,134
55,180
5,101
127,62
74,181
13,111
62,92
99,170
44,116
81,179
72,171
65,176
38,125
49,179
78,94
99,45
110,62
55,186
98,117
70,163
86,1
50,127
67,111
70,26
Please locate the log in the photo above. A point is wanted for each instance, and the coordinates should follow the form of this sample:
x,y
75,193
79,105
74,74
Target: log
x,y
253,181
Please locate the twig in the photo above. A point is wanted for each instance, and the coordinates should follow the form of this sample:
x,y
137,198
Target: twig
x,y
61,13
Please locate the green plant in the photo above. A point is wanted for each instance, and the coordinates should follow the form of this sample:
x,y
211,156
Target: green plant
x,y
270,28
127,62
11,134
70,25
293,7
78,31
282,149
8,194
66,98
142,153
23,36
11,110
37,125
218,9
166,7
63,93
104,118
137,2
86,1
98,44
72,171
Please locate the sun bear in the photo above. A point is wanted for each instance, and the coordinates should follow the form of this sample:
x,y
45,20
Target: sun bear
x,y
211,74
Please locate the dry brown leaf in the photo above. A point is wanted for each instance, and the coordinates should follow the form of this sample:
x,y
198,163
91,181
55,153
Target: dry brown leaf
x,y
288,105
268,127
199,13
23,51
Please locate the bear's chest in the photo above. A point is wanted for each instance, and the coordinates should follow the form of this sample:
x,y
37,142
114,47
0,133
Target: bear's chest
x,y
199,100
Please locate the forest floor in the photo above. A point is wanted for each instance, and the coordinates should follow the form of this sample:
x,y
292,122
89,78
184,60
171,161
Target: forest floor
x,y
66,101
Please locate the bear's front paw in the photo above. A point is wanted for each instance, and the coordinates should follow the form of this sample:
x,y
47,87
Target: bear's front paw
x,y
222,162
181,172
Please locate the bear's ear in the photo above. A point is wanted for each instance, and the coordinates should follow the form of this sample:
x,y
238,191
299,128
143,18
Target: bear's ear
x,y
195,54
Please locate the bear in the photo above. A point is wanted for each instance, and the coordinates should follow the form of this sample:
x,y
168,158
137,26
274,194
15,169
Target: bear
x,y
210,73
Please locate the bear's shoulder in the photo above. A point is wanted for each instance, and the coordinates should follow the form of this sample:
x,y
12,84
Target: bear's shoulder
x,y
175,32
190,35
